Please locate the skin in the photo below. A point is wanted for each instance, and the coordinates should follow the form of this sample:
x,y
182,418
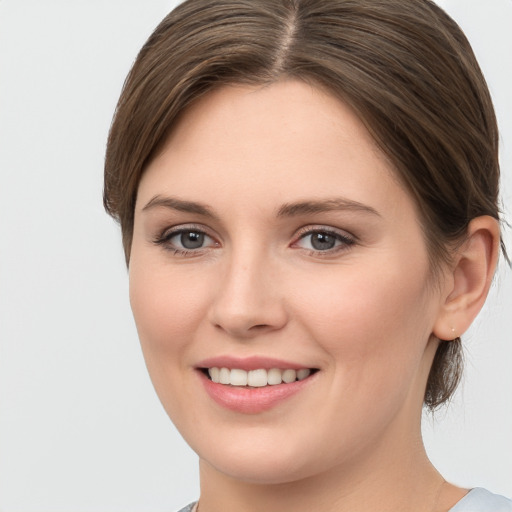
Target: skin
x,y
364,313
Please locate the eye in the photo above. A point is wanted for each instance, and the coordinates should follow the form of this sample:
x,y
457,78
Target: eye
x,y
185,240
189,239
323,240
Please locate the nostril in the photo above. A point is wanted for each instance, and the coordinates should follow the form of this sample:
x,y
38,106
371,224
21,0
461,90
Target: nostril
x,y
257,327
247,321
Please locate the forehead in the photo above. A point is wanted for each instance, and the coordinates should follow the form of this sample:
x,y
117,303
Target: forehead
x,y
279,142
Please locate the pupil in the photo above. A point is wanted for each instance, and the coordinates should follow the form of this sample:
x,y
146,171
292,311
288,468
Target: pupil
x,y
323,241
192,240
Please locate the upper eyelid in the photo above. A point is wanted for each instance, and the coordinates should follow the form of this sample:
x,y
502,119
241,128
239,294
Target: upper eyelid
x,y
310,228
170,231
163,239
315,228
179,228
346,240
163,236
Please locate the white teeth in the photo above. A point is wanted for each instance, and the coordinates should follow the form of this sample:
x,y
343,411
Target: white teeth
x,y
274,376
224,376
239,378
214,374
289,376
256,378
302,374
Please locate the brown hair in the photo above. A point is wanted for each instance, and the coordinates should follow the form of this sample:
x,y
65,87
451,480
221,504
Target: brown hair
x,y
403,65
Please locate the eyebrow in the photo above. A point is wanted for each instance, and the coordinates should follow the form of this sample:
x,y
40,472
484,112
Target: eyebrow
x,y
334,204
174,203
286,210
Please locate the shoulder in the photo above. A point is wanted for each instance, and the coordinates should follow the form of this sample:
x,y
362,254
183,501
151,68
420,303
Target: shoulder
x,y
481,500
188,508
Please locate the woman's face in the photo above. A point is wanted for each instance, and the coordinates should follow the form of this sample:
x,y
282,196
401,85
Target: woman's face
x,y
270,235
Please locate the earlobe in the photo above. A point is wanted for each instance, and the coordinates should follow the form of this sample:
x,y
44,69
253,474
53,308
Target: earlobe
x,y
470,279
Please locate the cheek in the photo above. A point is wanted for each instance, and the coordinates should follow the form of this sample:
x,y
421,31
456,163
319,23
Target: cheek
x,y
373,326
167,307
373,331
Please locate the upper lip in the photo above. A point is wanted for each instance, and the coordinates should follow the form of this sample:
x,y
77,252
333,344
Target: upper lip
x,y
249,363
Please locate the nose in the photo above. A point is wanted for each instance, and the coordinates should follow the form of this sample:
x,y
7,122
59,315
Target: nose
x,y
248,301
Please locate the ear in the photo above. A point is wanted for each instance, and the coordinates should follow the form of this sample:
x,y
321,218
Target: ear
x,y
469,278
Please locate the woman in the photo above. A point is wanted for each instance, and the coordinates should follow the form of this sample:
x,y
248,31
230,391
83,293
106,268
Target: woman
x,y
308,196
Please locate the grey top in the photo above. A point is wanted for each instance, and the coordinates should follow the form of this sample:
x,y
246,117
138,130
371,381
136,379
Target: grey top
x,y
188,508
476,500
481,500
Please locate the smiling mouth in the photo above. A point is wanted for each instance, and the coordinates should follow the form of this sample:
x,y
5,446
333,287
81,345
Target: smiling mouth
x,y
256,378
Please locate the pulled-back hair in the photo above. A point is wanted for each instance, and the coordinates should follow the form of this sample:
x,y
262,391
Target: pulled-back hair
x,y
404,66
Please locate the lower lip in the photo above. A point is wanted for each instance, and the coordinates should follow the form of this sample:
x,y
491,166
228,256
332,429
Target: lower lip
x,y
247,400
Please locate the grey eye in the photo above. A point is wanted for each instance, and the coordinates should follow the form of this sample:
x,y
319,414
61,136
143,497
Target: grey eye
x,y
327,241
323,241
185,241
191,239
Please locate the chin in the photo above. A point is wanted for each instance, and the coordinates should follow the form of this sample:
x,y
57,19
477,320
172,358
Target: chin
x,y
261,458
263,470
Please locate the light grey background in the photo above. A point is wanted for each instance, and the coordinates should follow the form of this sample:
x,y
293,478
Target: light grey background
x,y
80,426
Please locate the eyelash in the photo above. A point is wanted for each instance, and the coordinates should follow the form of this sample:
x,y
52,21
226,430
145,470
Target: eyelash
x,y
345,240
164,240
